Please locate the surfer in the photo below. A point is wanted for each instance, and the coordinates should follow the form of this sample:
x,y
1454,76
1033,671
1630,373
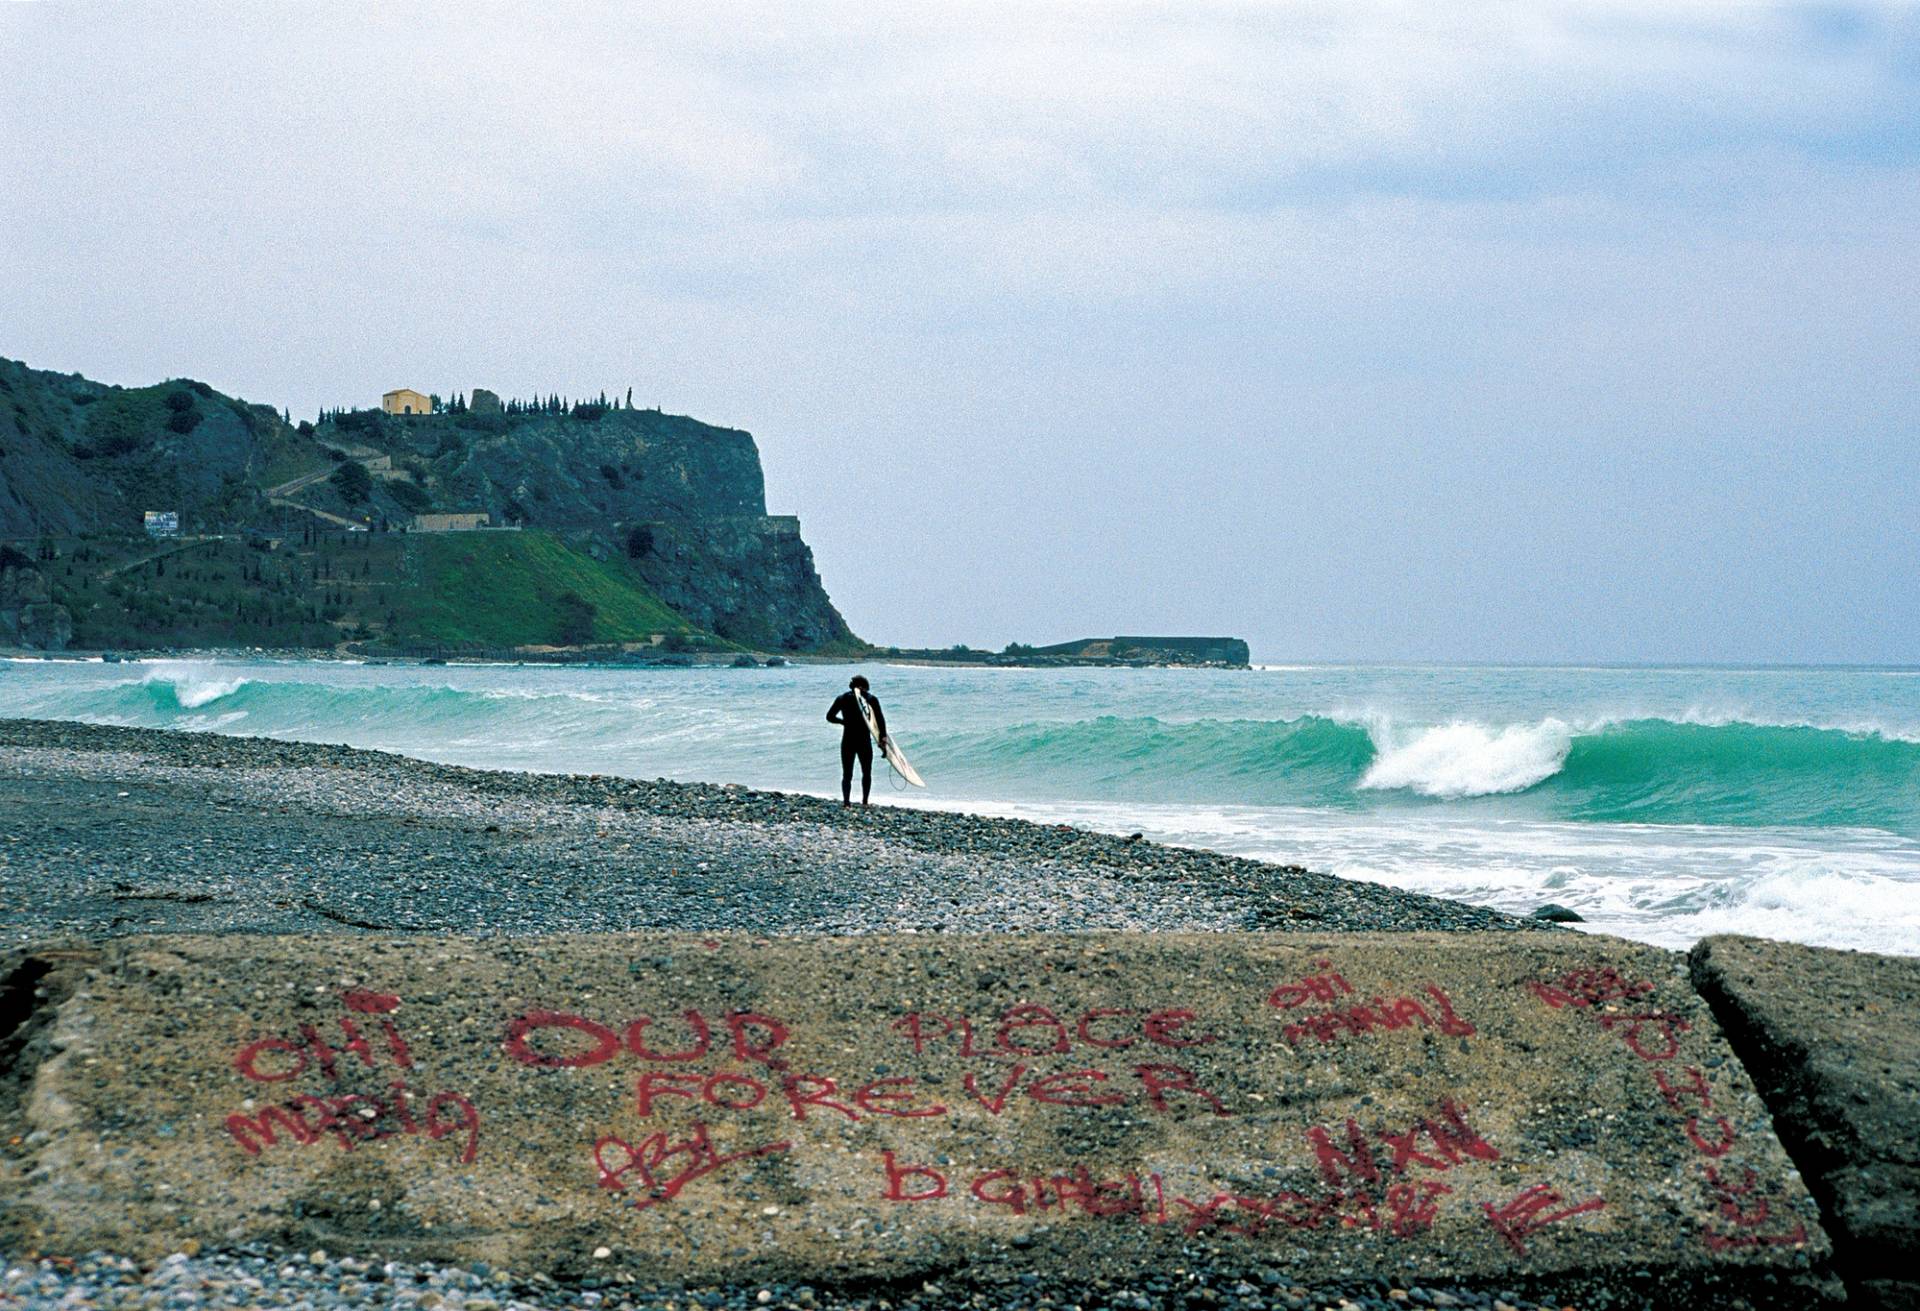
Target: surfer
x,y
850,710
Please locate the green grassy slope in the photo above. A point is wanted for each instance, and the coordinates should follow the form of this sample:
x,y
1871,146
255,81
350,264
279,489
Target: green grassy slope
x,y
499,589
454,590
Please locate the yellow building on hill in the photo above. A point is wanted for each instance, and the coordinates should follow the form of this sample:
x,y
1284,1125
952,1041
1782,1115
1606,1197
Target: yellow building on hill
x,y
406,401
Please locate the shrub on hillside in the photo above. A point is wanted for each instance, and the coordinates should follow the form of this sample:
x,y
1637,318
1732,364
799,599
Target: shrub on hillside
x,y
353,481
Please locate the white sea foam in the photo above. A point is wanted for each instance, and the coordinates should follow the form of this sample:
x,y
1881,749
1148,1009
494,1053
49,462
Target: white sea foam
x,y
1469,760
195,685
1857,726
1819,905
1666,884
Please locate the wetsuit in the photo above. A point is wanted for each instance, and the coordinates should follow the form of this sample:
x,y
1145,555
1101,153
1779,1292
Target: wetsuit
x,y
856,743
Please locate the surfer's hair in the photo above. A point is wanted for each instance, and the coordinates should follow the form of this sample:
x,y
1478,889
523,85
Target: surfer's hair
x,y
859,681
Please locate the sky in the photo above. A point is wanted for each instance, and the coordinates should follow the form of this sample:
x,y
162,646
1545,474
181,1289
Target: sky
x,y
1396,331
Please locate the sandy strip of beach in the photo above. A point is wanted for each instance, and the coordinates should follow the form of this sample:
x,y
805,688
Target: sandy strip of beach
x,y
114,831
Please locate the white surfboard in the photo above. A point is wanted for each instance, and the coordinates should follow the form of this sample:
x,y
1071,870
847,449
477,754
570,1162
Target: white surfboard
x,y
895,756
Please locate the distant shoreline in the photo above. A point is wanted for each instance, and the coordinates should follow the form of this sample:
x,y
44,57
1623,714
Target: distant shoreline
x,y
593,660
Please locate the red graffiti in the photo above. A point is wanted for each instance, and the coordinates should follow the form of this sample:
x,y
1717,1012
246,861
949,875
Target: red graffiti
x,y
1402,1210
281,1060
898,1175
1651,1037
1654,1037
645,1170
754,1039
356,1118
1720,1144
1352,1021
1315,987
1076,1188
1027,1030
1159,1080
1743,1208
1694,1086
1449,1141
1584,988
1531,1210
605,1041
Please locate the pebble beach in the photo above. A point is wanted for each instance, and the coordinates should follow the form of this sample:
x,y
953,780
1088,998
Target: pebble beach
x,y
113,830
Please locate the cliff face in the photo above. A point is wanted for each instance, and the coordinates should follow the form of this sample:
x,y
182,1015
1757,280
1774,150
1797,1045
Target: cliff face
x,y
749,578
627,466
683,502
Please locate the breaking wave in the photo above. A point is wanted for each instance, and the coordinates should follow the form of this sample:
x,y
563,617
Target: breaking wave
x,y
1648,771
1687,770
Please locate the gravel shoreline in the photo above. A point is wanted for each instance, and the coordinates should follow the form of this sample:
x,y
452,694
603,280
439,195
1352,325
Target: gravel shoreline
x,y
119,830
263,1277
112,831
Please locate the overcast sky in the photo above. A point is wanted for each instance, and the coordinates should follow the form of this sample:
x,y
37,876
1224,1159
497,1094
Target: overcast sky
x,y
1363,330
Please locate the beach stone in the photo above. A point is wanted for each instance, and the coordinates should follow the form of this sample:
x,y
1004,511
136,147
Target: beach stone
x,y
1510,1112
1832,1041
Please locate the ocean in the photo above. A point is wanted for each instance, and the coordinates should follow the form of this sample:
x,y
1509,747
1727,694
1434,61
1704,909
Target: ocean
x,y
1662,804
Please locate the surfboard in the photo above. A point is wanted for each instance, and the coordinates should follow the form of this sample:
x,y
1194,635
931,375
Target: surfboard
x,y
895,756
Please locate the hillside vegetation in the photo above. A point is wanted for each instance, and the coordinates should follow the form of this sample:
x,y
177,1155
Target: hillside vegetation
x,y
438,593
483,589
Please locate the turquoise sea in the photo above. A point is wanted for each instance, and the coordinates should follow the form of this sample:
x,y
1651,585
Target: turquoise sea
x,y
1660,803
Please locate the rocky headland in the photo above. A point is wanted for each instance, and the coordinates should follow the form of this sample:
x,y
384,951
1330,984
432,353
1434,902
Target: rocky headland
x,y
502,527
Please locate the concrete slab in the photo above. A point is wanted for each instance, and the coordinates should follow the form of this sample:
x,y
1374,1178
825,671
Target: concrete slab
x,y
1532,1110
1832,1041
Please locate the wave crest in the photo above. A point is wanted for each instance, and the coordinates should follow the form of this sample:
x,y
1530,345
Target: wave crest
x,y
190,687
1471,760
